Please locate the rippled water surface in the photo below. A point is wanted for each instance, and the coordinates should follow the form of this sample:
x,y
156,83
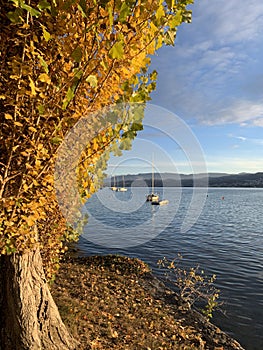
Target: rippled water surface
x,y
226,239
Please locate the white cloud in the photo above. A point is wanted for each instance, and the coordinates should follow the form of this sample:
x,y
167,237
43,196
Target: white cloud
x,y
251,140
241,138
258,122
230,21
238,112
213,72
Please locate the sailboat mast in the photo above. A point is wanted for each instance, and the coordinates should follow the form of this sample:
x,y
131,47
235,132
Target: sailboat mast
x,y
152,177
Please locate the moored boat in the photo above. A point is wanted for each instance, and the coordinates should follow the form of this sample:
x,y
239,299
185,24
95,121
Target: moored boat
x,y
114,188
122,189
152,197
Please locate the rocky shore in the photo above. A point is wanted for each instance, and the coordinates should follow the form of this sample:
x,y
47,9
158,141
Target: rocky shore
x,y
114,302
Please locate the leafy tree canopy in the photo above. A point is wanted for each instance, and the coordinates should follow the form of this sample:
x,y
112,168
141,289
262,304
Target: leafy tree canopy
x,y
62,60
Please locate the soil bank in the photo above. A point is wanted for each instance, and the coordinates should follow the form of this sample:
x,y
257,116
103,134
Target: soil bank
x,y
114,302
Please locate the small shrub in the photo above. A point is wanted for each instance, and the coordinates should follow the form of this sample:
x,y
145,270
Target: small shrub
x,y
194,289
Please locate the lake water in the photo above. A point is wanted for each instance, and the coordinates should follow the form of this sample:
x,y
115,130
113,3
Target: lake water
x,y
226,239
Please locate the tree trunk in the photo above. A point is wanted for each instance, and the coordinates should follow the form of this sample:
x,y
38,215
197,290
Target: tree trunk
x,y
29,318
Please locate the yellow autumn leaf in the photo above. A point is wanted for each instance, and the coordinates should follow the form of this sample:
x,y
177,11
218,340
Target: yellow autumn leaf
x,y
24,154
14,76
38,163
151,48
46,34
34,206
30,220
31,128
95,145
8,116
160,12
35,182
86,184
44,78
32,86
18,124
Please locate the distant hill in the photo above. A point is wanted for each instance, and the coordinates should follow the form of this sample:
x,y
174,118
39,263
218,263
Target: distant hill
x,y
238,180
183,180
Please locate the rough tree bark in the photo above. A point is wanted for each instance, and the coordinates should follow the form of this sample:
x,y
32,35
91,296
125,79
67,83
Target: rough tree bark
x,y
29,318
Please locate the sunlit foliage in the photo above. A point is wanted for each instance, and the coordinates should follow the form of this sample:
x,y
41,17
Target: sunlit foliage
x,y
61,60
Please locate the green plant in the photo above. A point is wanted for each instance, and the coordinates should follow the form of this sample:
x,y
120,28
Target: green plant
x,y
193,287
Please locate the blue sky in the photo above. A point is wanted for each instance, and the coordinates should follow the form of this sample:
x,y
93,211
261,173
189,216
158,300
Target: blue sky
x,y
212,79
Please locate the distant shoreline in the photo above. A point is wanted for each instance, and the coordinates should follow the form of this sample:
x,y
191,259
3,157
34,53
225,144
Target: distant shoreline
x,y
243,180
209,186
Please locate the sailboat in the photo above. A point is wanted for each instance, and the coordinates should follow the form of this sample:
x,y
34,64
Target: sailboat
x,y
152,197
122,189
114,188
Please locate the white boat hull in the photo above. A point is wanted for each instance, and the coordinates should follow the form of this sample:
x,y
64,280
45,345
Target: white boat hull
x,y
122,189
161,202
